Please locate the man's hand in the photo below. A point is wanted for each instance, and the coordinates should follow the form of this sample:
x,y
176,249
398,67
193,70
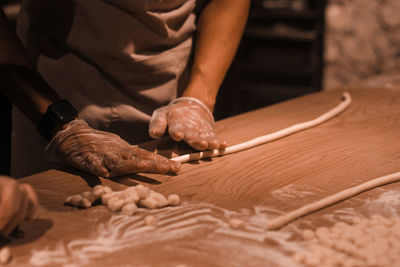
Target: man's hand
x,y
18,202
104,154
187,119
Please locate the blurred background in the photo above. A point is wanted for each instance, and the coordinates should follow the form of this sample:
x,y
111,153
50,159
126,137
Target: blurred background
x,y
290,48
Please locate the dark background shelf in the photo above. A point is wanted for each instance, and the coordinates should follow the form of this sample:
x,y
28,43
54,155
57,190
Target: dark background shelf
x,y
280,56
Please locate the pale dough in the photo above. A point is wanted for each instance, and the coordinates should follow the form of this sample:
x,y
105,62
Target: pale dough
x,y
236,223
364,242
125,201
269,137
325,202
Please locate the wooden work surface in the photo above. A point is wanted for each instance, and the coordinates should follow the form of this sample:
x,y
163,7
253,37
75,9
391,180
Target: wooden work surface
x,y
360,144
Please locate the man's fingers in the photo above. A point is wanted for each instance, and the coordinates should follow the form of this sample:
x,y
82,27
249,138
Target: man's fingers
x,y
111,160
90,163
136,165
33,200
158,124
95,166
130,166
10,202
21,213
223,144
194,140
213,141
175,130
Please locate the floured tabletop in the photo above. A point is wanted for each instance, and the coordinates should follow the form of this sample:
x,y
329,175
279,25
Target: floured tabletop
x,y
254,186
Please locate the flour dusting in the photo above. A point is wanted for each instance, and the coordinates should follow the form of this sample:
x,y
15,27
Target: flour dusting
x,y
209,225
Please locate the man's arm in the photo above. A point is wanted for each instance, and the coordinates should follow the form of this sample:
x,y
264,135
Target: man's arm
x,y
19,81
219,30
189,118
78,145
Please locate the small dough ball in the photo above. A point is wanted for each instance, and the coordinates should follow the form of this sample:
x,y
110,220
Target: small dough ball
x,y
73,200
322,232
131,194
149,203
84,203
129,209
162,201
236,223
107,190
98,191
5,255
129,200
114,198
115,204
105,198
300,257
308,234
150,220
174,200
142,191
89,196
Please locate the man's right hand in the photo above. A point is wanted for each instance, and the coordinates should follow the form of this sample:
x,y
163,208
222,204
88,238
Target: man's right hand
x,y
104,154
18,202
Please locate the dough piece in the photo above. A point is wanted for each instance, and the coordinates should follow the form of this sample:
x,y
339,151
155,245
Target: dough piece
x,y
125,200
78,201
308,234
154,201
89,195
98,191
173,200
269,137
325,202
129,209
130,200
107,189
106,197
5,255
150,220
84,203
142,191
365,242
130,195
236,223
113,199
115,204
161,200
149,203
73,200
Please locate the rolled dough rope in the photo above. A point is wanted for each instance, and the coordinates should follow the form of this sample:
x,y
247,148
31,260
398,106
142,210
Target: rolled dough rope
x,y
325,202
269,137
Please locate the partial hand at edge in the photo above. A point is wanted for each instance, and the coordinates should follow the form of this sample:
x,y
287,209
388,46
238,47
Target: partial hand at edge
x,y
104,154
18,202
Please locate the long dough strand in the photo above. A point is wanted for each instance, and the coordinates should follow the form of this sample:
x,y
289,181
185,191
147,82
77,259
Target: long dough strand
x,y
269,137
325,202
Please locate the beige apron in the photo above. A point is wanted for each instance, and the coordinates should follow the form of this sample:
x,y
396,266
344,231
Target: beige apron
x,y
115,60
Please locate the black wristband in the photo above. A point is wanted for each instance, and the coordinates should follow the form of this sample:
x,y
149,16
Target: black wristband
x,y
56,115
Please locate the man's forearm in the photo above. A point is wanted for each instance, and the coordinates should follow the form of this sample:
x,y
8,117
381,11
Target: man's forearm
x,y
19,81
220,28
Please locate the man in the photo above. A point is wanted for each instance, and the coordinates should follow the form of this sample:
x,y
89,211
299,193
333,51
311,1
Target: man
x,y
124,65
